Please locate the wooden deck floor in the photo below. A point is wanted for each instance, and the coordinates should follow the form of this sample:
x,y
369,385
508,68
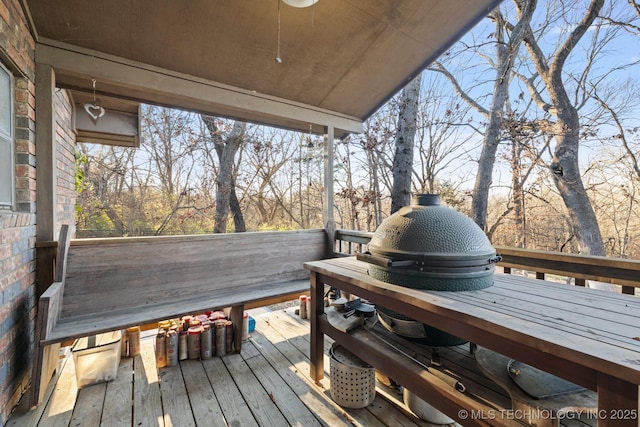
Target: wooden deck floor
x,y
267,384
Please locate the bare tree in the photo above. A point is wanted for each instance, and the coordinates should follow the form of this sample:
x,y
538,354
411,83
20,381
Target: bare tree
x,y
282,181
363,171
226,148
506,52
103,171
170,141
615,174
405,134
444,128
565,167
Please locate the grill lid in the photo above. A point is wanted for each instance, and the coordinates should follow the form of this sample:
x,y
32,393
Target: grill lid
x,y
428,234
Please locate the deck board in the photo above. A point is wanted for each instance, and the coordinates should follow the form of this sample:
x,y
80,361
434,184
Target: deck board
x,y
236,411
147,405
293,409
60,406
299,382
118,402
205,406
175,401
267,384
258,398
89,405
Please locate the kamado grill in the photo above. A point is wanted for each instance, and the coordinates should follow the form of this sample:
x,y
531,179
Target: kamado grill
x,y
431,247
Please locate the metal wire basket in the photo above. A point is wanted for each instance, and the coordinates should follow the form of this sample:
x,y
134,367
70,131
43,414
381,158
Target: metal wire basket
x,y
353,382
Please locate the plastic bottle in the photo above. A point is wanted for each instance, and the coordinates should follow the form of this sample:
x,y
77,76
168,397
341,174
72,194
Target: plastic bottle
x,y
245,326
303,306
185,323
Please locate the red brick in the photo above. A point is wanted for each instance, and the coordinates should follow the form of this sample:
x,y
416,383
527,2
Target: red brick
x,y
25,171
5,251
22,183
4,13
14,54
22,109
4,312
22,96
22,145
25,282
9,235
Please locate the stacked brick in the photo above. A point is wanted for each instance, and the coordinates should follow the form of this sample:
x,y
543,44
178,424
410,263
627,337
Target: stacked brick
x,y
18,225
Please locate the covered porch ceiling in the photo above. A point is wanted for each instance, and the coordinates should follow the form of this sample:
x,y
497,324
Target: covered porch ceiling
x,y
341,59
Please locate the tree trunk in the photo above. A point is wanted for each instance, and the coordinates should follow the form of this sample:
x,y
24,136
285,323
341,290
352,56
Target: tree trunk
x,y
566,176
519,238
505,54
225,177
115,219
374,189
225,185
236,211
564,165
405,133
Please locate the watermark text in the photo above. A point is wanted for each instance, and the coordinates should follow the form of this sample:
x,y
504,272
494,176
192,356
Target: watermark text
x,y
546,414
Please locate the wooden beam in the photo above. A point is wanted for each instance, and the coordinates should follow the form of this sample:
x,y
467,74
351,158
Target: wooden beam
x,y
45,153
604,269
76,66
114,128
46,261
316,369
416,377
45,358
617,402
46,179
327,209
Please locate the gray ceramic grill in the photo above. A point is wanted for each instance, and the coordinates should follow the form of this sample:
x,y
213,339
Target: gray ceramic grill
x,y
431,247
434,247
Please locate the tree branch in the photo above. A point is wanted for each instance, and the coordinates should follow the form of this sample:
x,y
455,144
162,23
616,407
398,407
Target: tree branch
x,y
438,67
574,38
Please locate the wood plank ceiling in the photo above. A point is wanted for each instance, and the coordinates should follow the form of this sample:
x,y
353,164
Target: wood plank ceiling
x,y
344,56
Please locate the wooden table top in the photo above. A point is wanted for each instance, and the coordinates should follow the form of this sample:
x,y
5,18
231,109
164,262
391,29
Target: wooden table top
x,y
573,332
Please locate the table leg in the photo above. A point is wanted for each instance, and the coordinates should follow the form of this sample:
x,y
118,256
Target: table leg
x,y
236,317
617,402
317,337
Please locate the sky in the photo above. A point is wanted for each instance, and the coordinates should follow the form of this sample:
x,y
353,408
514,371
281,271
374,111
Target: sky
x,y
622,49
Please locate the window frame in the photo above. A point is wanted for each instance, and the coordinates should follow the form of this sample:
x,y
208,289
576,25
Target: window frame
x,y
10,141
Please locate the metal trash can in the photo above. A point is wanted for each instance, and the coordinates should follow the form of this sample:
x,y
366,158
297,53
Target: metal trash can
x,y
353,382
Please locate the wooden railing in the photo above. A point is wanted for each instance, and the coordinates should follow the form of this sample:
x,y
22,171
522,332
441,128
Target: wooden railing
x,y
350,242
617,271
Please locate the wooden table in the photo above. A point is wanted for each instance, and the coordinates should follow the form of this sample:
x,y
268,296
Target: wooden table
x,y
586,336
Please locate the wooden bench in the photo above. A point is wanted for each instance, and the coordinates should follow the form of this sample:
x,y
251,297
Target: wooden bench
x,y
111,284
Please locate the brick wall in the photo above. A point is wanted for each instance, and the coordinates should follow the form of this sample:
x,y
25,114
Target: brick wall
x,y
18,226
66,161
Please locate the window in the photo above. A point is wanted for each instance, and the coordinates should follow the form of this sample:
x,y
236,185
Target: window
x,y
7,170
